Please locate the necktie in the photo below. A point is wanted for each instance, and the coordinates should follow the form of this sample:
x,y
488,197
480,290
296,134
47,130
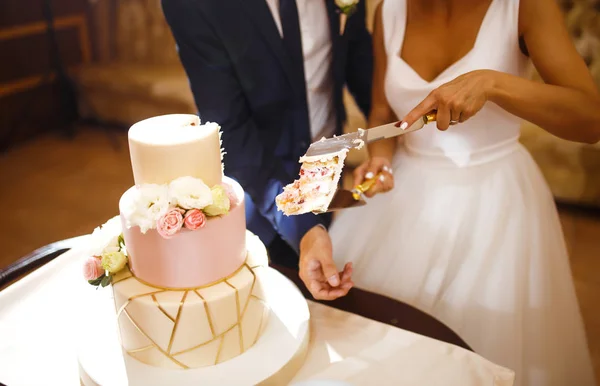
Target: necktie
x,y
292,39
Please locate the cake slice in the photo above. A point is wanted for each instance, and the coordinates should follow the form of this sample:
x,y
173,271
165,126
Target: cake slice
x,y
318,182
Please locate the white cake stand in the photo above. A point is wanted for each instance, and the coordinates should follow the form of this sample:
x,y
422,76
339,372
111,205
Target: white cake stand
x,y
273,360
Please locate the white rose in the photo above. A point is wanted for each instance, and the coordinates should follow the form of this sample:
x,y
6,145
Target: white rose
x,y
345,3
150,202
190,193
106,237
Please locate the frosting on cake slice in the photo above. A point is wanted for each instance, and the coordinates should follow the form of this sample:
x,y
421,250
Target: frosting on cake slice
x,y
318,182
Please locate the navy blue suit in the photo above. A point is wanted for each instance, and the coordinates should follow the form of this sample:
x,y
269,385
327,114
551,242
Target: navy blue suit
x,y
243,79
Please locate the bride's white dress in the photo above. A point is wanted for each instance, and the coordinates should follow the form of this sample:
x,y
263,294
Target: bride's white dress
x,y
470,233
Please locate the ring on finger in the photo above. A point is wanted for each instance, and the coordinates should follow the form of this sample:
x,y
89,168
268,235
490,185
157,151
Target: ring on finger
x,y
455,121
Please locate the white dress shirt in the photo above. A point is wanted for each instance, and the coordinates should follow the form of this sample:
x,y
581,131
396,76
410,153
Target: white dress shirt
x,y
317,52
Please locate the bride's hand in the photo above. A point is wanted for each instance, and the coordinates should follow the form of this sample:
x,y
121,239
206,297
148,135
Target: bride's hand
x,y
455,101
369,169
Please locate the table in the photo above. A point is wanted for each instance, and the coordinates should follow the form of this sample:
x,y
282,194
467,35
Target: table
x,y
36,347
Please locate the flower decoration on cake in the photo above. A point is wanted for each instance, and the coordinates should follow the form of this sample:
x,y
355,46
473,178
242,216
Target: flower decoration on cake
x,y
189,193
184,203
108,253
220,202
148,206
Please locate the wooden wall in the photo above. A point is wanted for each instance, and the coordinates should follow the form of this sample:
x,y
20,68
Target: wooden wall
x,y
29,96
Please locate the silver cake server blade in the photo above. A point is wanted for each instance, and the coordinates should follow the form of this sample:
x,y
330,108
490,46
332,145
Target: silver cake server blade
x,y
360,138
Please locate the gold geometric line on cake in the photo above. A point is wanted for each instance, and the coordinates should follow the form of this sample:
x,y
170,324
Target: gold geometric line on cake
x,y
192,288
174,330
240,316
237,306
136,325
257,298
251,288
210,322
132,298
162,309
220,349
221,335
122,278
139,349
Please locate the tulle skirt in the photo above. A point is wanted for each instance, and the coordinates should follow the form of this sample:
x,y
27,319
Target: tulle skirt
x,y
479,247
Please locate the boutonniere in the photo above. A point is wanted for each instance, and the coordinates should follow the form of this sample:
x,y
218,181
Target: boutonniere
x,y
347,8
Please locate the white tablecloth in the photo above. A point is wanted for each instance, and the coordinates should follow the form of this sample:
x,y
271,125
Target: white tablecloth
x,y
37,347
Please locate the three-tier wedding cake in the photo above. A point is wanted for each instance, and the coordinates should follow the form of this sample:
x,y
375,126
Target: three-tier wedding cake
x,y
185,273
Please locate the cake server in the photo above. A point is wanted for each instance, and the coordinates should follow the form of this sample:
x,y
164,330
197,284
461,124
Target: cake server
x,y
361,137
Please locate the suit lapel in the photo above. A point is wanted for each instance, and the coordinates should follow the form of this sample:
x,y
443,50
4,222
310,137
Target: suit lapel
x,y
259,12
334,21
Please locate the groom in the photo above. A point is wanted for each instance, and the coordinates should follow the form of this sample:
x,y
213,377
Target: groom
x,y
271,73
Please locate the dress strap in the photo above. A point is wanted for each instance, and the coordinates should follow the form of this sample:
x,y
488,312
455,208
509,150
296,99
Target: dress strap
x,y
393,15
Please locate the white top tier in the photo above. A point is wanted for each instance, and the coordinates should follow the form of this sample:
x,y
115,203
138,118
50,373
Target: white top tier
x,y
166,147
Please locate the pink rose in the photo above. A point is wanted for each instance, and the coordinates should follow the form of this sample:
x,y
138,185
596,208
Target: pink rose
x,y
170,223
233,201
194,219
92,269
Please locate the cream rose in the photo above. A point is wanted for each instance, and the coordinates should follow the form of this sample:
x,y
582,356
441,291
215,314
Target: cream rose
x,y
113,262
220,202
189,193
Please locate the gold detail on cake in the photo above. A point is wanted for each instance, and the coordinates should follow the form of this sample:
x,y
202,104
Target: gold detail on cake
x,y
119,277
241,311
139,349
176,321
210,322
244,264
251,288
237,306
162,309
257,298
132,298
220,336
219,350
137,327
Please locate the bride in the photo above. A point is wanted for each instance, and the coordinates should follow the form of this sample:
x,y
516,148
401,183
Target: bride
x,y
470,233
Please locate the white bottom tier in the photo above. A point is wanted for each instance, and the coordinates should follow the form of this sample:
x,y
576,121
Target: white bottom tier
x,y
273,360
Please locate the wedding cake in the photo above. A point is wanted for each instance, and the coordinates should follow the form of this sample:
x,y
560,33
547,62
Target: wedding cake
x,y
186,275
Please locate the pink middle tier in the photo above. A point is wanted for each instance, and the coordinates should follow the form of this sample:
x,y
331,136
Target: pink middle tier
x,y
190,258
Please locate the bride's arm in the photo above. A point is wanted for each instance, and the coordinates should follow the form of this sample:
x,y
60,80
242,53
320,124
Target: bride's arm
x,y
568,104
381,113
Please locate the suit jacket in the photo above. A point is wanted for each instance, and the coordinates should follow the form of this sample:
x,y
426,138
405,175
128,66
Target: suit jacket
x,y
243,79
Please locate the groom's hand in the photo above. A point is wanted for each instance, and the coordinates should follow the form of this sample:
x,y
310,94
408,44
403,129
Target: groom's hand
x,y
317,269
